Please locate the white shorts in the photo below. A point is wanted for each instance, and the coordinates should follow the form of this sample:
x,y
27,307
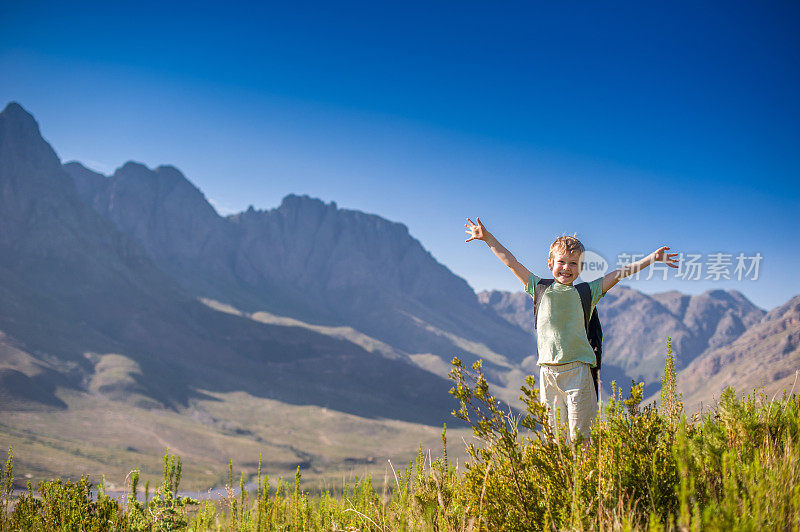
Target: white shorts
x,y
568,390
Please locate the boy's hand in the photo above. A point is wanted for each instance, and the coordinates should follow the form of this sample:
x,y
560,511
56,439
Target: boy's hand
x,y
476,232
661,255
479,232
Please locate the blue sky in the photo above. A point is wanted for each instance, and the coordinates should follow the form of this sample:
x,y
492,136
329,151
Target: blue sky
x,y
632,124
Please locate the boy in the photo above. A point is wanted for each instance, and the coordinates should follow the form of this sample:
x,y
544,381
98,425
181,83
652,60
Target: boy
x,y
565,356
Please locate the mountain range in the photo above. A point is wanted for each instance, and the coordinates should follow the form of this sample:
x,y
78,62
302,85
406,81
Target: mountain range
x,y
307,260
719,338
77,289
127,302
636,325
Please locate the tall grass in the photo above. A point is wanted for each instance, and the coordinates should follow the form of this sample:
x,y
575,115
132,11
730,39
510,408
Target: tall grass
x,y
644,468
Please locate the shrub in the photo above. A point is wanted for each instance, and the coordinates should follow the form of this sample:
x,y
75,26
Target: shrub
x,y
65,505
644,467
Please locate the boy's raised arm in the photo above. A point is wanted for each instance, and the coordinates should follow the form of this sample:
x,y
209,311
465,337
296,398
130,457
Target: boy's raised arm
x,y
479,232
659,255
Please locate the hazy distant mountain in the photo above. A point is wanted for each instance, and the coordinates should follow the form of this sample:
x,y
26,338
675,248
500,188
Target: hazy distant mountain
x,y
84,306
636,325
768,353
514,307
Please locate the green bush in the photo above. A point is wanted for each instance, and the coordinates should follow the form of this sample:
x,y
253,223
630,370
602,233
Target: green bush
x,y
65,505
643,468
165,510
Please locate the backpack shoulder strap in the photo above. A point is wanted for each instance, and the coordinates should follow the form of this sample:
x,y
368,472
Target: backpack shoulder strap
x,y
595,334
586,302
538,291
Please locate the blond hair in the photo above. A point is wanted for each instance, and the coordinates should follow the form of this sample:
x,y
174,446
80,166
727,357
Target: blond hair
x,y
565,244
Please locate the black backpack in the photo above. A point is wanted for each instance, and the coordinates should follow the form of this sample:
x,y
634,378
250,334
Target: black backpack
x,y
594,332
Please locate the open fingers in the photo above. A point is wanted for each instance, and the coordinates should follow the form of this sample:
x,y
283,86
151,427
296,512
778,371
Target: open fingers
x,y
671,260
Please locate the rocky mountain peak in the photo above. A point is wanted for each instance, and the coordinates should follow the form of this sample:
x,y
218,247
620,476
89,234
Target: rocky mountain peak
x,y
76,166
160,209
311,211
294,201
143,189
164,179
170,172
34,190
733,297
90,184
15,116
133,169
21,141
788,311
20,119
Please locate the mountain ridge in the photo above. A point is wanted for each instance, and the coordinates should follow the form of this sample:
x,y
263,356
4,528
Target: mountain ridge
x,y
765,356
76,290
312,261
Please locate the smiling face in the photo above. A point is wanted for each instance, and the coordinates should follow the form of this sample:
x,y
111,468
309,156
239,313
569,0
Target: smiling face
x,y
565,266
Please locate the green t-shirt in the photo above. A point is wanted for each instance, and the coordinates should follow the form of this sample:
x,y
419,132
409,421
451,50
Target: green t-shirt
x,y
561,333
